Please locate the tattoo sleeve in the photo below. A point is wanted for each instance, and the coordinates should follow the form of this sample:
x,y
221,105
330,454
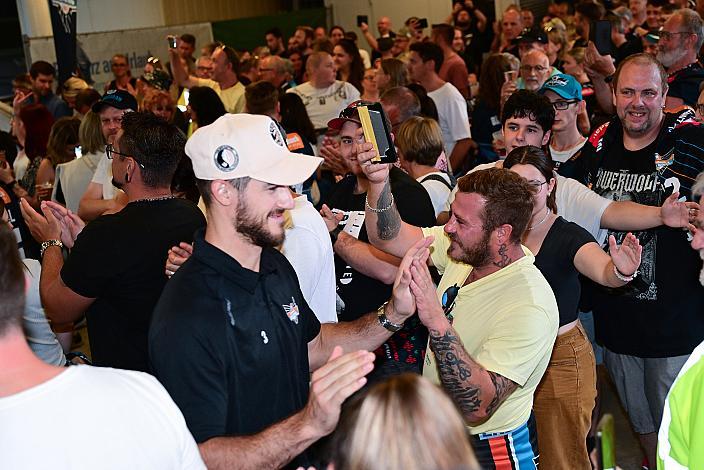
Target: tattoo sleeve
x,y
476,391
388,223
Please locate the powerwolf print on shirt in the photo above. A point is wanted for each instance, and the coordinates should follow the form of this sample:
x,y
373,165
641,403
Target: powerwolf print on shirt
x,y
648,177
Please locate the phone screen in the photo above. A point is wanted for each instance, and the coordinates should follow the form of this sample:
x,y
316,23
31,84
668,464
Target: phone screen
x,y
362,19
600,35
172,42
423,23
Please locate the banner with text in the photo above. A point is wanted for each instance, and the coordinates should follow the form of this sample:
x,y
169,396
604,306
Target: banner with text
x,y
137,44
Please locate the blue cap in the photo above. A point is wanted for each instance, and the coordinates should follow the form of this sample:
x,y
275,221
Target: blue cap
x,y
119,99
564,85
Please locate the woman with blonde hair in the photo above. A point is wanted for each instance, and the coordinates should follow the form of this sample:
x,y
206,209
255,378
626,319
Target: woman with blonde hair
x,y
419,142
557,42
61,148
391,73
427,434
72,178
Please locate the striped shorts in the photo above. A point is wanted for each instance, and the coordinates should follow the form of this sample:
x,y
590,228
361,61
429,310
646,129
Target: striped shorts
x,y
511,450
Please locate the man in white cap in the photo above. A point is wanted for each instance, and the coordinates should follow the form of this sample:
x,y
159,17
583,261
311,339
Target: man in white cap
x,y
233,340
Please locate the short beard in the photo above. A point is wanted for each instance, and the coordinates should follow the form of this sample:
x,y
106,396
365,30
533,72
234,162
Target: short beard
x,y
476,256
669,58
256,230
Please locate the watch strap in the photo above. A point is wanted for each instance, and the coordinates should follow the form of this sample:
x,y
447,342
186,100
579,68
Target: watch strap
x,y
385,322
49,243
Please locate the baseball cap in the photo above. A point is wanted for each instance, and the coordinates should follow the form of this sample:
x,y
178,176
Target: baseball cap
x,y
247,145
532,35
564,85
118,99
349,114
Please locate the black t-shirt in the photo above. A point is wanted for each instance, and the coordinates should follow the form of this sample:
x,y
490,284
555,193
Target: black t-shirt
x,y
362,294
684,83
630,47
556,261
660,314
231,345
119,259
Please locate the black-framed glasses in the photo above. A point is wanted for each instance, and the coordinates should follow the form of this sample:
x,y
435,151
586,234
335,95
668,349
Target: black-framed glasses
x,y
537,184
667,35
529,68
448,300
110,152
561,105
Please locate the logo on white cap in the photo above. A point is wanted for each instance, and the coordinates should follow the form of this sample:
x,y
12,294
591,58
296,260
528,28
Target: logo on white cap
x,y
276,134
226,158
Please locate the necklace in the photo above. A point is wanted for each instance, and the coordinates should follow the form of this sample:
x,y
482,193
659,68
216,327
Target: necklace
x,y
155,198
547,213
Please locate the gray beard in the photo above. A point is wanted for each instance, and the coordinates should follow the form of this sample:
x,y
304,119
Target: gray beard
x,y
669,58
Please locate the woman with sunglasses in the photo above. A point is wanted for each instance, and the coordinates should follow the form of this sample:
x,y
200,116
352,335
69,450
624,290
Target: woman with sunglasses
x,y
564,400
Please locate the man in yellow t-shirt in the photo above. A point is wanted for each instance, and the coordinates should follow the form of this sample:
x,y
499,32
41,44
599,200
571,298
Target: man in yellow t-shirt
x,y
224,77
493,320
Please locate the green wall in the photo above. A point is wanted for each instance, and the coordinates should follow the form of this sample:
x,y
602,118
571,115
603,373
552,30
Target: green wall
x,y
248,33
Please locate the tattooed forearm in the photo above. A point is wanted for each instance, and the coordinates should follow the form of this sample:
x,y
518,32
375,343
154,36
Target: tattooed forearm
x,y
455,371
504,260
466,381
503,387
388,223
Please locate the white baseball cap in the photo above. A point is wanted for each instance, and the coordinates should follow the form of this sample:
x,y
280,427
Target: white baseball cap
x,y
247,145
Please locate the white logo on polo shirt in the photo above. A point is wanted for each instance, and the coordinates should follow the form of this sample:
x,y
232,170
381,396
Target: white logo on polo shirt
x,y
264,338
292,311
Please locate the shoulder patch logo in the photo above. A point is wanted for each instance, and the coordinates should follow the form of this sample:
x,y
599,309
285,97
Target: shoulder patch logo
x,y
226,158
292,311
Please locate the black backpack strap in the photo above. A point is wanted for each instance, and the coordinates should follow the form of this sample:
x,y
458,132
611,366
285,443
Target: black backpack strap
x,y
436,177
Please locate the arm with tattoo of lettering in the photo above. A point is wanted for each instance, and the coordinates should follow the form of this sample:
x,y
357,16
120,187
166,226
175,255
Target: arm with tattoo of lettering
x,y
476,391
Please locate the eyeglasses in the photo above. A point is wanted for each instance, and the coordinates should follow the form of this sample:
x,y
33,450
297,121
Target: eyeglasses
x,y
530,68
536,184
110,152
666,35
448,300
561,105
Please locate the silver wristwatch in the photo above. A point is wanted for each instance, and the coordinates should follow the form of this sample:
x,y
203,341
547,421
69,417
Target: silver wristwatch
x,y
385,322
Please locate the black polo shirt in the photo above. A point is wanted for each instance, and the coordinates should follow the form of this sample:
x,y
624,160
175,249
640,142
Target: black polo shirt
x,y
231,345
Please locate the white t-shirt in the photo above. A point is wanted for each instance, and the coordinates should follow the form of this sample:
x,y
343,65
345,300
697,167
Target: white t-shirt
x,y
439,193
575,203
73,178
20,164
103,176
40,337
308,248
452,111
561,156
95,417
324,104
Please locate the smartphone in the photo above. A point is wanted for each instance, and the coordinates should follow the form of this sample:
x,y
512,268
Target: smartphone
x,y
511,76
378,132
172,41
600,35
362,19
77,150
423,23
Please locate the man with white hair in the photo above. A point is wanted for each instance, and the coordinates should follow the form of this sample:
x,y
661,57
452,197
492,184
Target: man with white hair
x,y
680,40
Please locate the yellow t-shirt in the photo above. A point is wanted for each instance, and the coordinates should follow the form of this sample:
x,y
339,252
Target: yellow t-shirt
x,y
232,98
507,322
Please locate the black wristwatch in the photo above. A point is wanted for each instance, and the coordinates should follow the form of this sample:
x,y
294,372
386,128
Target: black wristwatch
x,y
335,233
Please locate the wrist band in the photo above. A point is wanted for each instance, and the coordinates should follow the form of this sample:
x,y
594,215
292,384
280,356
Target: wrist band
x,y
47,244
377,211
335,233
623,277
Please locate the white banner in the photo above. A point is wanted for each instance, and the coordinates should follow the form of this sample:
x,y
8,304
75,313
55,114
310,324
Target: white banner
x,y
137,44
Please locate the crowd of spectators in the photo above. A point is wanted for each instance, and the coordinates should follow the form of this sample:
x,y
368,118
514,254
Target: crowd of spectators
x,y
259,293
